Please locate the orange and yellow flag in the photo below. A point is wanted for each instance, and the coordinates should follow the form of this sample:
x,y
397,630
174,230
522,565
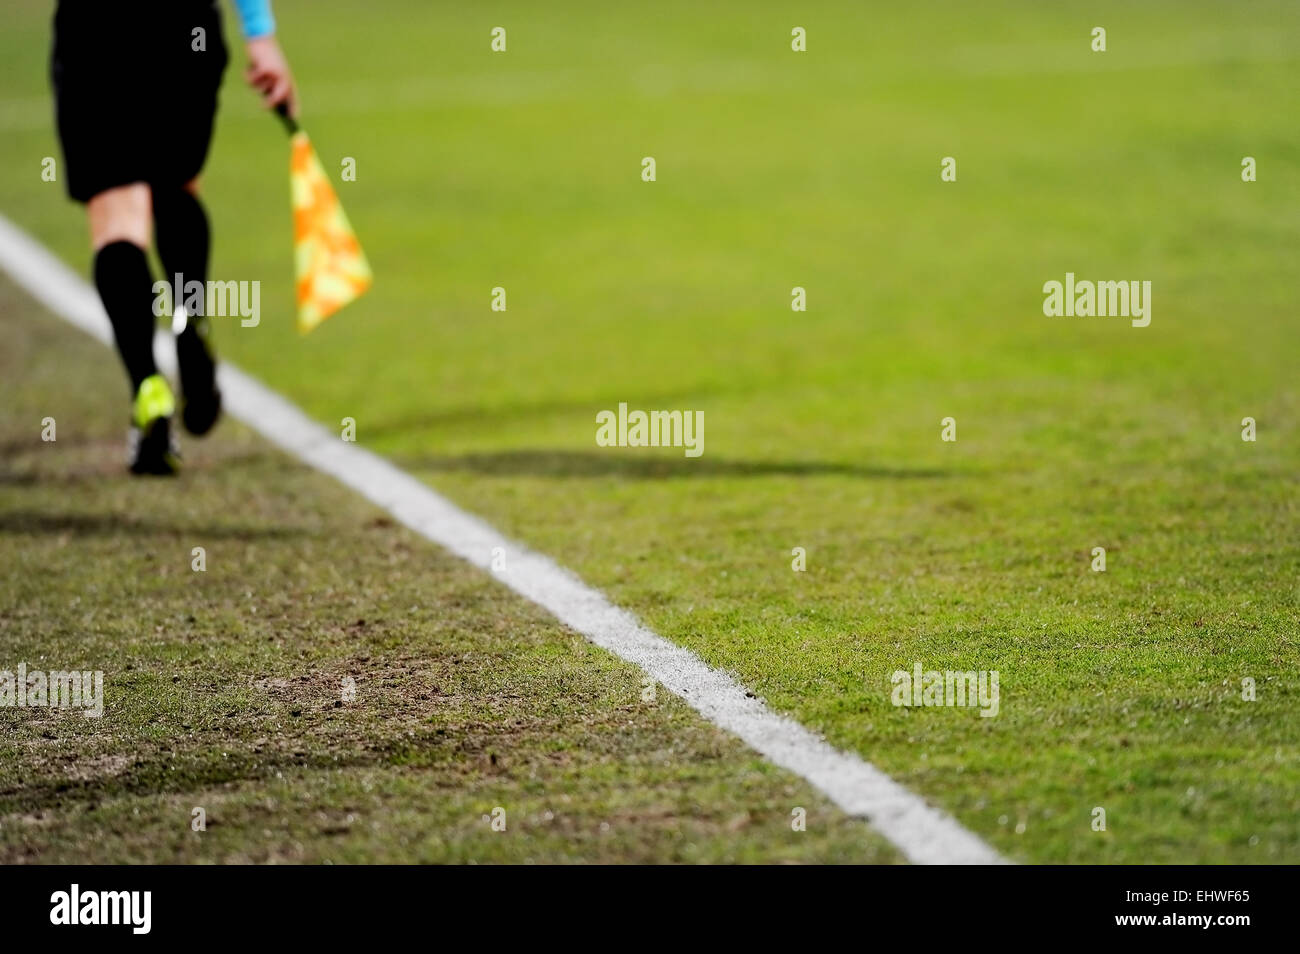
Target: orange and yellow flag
x,y
331,268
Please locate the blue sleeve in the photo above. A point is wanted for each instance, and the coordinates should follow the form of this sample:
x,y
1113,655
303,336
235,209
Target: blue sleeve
x,y
256,17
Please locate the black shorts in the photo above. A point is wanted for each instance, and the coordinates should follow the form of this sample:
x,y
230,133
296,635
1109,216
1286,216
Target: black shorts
x,y
134,98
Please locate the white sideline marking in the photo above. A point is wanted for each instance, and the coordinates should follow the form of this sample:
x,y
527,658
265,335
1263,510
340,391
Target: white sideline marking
x,y
923,834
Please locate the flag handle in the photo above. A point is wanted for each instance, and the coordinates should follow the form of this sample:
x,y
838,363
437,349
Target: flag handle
x,y
290,124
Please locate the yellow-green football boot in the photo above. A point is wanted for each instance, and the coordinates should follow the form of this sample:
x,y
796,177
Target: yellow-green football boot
x,y
150,448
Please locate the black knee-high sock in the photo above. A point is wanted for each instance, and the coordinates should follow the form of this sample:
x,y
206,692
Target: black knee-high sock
x,y
126,289
181,231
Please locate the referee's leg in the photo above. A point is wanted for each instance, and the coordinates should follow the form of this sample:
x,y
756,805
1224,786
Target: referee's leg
x,y
120,220
183,237
119,233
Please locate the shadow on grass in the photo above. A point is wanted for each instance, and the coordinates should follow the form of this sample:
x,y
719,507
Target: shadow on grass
x,y
114,525
609,463
478,416
154,772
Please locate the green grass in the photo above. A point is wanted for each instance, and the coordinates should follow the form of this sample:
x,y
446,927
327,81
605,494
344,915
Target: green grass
x,y
776,169
224,689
